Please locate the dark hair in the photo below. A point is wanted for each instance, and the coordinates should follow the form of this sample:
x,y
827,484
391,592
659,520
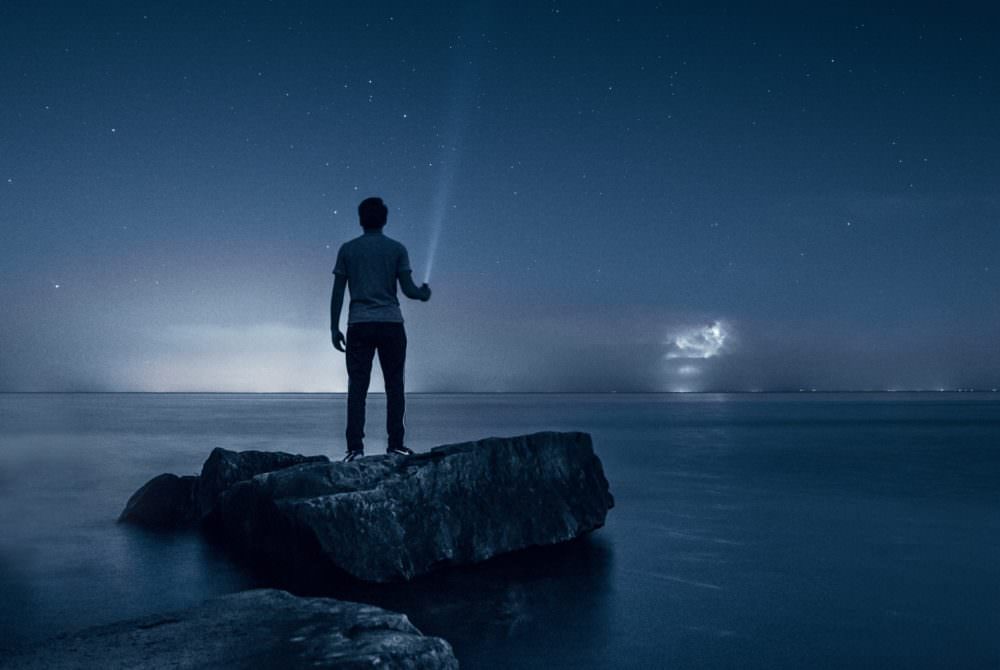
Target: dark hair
x,y
373,213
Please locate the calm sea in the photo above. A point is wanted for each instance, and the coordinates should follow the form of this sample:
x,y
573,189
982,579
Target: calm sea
x,y
751,531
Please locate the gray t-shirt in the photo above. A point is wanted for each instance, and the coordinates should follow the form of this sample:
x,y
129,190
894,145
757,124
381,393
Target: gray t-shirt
x,y
372,263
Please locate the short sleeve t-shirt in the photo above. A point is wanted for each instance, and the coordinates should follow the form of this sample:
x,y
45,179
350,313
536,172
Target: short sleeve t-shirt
x,y
371,263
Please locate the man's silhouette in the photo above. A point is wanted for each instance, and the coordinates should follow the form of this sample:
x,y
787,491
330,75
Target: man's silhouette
x,y
371,265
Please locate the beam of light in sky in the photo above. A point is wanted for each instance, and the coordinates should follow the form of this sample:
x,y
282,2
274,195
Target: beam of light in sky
x,y
439,210
463,97
449,164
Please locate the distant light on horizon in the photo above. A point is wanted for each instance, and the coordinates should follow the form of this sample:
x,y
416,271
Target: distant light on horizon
x,y
698,342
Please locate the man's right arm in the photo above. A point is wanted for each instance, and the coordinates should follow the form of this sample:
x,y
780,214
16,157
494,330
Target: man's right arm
x,y
411,290
336,303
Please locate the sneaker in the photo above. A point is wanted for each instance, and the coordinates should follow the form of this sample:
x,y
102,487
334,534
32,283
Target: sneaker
x,y
402,451
352,455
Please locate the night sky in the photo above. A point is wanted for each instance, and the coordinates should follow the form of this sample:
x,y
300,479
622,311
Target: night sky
x,y
631,197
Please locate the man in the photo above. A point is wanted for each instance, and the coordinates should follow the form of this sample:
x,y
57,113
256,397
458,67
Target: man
x,y
370,265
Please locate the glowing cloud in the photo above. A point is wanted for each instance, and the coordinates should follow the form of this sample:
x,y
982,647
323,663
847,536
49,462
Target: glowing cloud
x,y
699,342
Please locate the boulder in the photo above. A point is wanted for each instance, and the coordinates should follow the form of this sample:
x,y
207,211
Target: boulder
x,y
259,629
386,518
165,501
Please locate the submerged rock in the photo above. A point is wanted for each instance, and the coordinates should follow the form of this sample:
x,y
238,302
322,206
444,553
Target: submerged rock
x,y
385,518
259,629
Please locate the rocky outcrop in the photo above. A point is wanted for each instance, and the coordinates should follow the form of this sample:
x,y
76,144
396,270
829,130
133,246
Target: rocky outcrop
x,y
386,518
251,629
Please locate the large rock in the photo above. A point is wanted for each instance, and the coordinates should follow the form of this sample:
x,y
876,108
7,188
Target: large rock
x,y
385,518
252,629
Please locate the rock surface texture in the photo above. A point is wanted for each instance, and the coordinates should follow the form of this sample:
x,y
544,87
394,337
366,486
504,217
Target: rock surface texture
x,y
387,518
251,629
225,468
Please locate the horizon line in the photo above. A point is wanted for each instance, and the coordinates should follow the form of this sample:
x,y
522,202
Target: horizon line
x,y
417,393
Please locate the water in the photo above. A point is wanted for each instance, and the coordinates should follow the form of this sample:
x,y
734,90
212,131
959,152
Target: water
x,y
751,531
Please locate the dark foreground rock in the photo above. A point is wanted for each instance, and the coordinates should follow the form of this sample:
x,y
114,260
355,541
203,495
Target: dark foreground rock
x,y
252,629
385,518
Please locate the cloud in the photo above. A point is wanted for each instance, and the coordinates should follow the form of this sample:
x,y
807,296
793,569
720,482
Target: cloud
x,y
699,341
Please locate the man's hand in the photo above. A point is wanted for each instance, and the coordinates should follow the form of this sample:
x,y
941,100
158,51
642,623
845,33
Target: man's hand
x,y
338,340
411,290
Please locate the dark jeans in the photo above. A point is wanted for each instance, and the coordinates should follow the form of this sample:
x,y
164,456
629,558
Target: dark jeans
x,y
363,340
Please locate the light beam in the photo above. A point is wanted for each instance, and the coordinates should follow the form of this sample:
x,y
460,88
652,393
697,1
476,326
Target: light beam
x,y
464,91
